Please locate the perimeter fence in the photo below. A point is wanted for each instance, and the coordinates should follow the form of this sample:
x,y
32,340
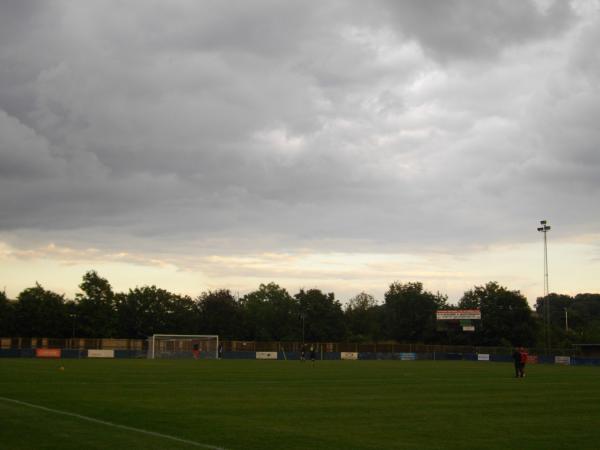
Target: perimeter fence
x,y
138,347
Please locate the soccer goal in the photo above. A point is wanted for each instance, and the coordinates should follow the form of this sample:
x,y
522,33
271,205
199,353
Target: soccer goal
x,y
182,346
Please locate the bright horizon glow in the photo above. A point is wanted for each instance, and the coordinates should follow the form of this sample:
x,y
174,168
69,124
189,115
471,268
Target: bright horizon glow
x,y
573,270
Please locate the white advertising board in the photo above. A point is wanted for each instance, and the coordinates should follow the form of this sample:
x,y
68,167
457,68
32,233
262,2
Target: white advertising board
x,y
566,360
349,355
266,355
101,354
483,357
408,356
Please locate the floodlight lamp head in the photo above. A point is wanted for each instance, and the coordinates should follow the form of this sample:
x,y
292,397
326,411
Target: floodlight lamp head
x,y
543,222
540,229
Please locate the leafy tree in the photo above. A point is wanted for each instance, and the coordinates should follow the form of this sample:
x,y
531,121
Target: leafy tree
x,y
591,332
363,318
7,325
505,315
71,309
583,312
145,311
41,313
182,315
270,313
96,314
219,314
323,316
410,312
557,304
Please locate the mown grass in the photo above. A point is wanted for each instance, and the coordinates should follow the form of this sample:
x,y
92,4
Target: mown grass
x,y
248,404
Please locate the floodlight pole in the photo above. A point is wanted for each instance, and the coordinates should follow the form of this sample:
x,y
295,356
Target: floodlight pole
x,y
544,229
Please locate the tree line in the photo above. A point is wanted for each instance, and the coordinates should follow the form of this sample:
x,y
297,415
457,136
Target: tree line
x,y
271,313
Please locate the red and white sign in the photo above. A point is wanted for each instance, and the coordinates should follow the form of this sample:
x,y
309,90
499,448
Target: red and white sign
x,y
47,352
458,314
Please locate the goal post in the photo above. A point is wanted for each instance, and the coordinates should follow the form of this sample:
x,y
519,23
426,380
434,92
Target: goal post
x,y
183,346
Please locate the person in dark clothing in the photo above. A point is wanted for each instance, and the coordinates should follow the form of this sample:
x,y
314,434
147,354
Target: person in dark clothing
x,y
517,359
312,353
524,356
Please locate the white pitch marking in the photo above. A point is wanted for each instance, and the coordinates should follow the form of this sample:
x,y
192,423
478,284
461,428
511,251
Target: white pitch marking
x,y
110,424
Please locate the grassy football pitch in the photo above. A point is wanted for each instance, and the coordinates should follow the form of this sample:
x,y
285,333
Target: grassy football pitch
x,y
163,404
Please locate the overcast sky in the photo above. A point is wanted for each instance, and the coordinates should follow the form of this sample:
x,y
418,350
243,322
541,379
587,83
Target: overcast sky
x,y
334,144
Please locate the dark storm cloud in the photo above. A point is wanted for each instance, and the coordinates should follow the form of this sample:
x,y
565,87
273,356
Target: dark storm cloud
x,y
481,29
393,125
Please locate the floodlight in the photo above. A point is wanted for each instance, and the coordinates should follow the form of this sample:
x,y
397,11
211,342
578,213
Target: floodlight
x,y
544,229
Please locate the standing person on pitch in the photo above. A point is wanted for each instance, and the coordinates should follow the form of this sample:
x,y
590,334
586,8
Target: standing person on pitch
x,y
524,356
516,356
312,352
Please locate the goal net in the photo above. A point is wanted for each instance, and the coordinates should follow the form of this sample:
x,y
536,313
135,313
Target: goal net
x,y
181,346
